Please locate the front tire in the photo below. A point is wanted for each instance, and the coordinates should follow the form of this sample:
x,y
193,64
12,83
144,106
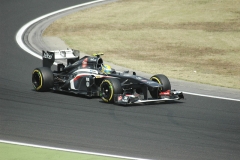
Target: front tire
x,y
109,87
42,79
164,81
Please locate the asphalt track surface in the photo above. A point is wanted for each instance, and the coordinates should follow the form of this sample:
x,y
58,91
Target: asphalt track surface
x,y
195,128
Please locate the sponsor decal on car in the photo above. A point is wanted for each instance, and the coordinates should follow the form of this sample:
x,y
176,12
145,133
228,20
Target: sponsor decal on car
x,y
63,53
93,59
125,99
47,55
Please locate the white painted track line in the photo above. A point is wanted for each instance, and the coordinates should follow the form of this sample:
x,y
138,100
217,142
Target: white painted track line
x,y
209,96
23,28
20,42
69,150
22,45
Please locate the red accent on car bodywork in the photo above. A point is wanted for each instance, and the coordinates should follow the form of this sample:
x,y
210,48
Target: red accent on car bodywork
x,y
119,98
84,63
80,76
166,93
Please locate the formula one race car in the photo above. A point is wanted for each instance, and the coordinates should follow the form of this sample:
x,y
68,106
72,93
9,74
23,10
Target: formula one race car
x,y
91,77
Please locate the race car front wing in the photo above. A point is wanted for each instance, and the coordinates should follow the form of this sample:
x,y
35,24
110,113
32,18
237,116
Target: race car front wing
x,y
169,95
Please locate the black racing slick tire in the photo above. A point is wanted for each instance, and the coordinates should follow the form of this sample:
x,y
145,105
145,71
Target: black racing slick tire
x,y
109,87
42,79
163,80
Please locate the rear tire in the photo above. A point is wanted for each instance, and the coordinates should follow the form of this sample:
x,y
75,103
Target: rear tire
x,y
42,79
163,80
109,87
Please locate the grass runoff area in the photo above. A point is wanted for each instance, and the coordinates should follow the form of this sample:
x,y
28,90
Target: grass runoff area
x,y
193,40
16,152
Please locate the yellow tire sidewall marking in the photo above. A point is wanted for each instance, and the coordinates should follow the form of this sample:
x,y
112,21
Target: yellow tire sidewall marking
x,y
41,80
111,88
155,78
158,80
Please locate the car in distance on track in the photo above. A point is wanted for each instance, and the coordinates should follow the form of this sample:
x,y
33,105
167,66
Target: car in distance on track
x,y
89,76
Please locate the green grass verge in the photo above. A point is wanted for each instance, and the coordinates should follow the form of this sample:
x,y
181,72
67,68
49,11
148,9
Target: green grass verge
x,y
17,152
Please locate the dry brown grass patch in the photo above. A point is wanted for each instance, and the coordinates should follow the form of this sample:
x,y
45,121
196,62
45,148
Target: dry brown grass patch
x,y
175,37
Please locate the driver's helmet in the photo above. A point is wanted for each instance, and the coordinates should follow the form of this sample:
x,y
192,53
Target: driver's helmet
x,y
106,69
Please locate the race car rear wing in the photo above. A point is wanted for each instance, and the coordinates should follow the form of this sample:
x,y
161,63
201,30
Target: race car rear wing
x,y
49,57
